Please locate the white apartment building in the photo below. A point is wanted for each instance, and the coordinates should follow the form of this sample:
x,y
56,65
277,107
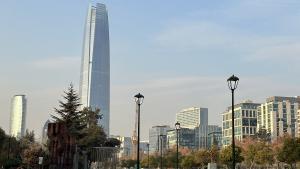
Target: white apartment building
x,y
245,122
278,115
192,117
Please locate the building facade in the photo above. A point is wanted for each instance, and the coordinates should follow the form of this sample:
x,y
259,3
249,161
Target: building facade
x,y
192,117
158,138
94,90
125,146
245,121
278,115
186,139
18,116
208,135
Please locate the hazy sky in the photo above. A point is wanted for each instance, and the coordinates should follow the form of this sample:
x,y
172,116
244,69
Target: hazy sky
x,y
177,53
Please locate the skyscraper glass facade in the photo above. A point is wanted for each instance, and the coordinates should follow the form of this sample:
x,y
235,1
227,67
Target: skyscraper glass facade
x,y
18,116
94,88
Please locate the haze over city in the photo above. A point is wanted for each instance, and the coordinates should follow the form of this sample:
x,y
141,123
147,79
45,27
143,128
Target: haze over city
x,y
177,54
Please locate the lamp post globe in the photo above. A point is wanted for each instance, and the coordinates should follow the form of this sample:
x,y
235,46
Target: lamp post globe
x,y
139,98
233,82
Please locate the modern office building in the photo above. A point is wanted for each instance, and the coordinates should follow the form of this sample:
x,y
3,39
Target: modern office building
x,y
278,115
208,136
125,146
245,121
215,139
18,116
144,147
186,139
158,138
94,88
192,117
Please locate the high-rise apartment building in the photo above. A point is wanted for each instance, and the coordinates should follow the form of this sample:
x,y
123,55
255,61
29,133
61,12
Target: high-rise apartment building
x,y
278,115
94,88
245,121
192,117
158,137
18,116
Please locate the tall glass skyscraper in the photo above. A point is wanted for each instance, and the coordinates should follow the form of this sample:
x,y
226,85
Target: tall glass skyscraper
x,y
94,88
18,116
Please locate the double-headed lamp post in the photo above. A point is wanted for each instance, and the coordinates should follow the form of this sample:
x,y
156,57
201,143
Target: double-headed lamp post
x,y
177,127
139,98
232,84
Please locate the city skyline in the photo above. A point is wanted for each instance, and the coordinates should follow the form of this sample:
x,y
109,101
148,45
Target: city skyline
x,y
180,58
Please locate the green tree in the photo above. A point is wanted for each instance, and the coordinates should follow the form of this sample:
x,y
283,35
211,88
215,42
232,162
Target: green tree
x,y
127,163
265,155
69,114
92,134
112,142
2,138
290,151
31,154
226,155
214,154
27,140
201,158
171,158
263,135
188,162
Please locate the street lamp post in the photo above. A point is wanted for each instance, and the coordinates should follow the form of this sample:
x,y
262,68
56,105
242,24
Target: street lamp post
x,y
177,127
8,152
139,100
161,150
232,84
148,155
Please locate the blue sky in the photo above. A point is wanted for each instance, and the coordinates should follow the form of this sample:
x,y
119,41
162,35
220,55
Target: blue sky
x,y
177,53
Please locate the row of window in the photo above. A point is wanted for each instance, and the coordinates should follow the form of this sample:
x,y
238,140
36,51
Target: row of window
x,y
237,114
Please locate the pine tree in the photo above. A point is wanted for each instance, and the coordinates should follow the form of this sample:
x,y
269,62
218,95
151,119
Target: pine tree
x,y
92,135
69,114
